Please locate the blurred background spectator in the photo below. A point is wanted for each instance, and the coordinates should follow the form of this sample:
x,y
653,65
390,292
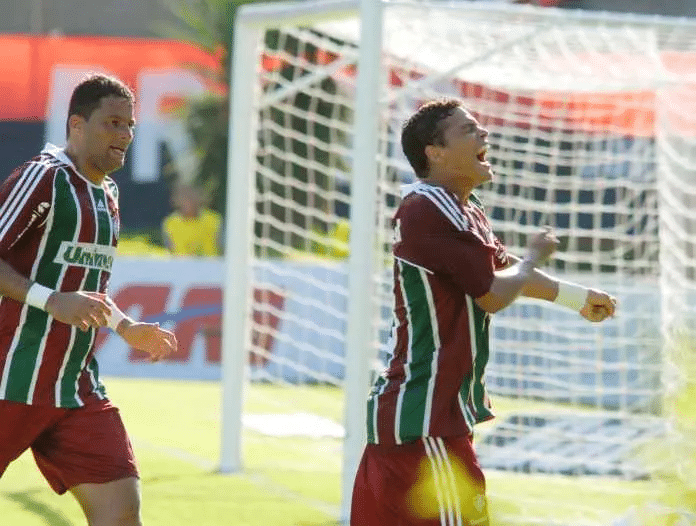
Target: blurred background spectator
x,y
192,229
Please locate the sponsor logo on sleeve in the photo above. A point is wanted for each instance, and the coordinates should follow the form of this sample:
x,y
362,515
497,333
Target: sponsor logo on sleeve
x,y
40,213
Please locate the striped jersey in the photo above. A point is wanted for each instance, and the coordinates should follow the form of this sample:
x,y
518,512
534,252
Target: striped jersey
x,y
445,255
60,230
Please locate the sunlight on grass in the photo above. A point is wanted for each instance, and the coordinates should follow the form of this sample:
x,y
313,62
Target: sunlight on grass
x,y
295,481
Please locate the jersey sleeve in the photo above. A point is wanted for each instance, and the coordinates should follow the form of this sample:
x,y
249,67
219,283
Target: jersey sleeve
x,y
25,202
424,236
501,259
501,256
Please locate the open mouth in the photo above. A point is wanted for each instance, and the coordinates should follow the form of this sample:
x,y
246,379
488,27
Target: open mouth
x,y
481,155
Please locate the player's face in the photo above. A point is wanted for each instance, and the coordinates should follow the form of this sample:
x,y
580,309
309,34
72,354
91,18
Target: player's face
x,y
465,147
107,134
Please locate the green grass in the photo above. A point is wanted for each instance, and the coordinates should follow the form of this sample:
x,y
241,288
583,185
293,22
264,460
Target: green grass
x,y
175,430
286,481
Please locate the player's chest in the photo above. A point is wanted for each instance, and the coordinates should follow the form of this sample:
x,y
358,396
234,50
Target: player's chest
x,y
479,225
85,214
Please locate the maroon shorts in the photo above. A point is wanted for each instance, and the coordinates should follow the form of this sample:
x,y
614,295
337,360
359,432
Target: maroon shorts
x,y
70,446
430,482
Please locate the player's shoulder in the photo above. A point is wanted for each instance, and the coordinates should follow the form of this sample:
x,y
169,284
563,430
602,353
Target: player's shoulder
x,y
41,164
423,201
34,171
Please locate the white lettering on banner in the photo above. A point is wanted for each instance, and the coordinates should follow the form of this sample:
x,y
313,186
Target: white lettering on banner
x,y
185,295
153,128
63,81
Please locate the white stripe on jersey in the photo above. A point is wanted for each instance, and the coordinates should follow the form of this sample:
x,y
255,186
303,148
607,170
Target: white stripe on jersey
x,y
10,353
474,347
409,359
19,195
23,314
90,368
414,265
447,205
436,353
73,329
375,412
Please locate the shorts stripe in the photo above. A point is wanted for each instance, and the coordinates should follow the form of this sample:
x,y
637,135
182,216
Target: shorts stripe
x,y
449,475
443,497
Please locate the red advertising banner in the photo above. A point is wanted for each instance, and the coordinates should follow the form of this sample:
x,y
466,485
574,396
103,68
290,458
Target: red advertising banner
x,y
27,64
184,295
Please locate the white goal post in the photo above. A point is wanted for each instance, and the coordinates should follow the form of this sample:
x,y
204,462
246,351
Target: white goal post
x,y
592,121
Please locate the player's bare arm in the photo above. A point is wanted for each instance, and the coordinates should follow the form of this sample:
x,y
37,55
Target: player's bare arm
x,y
75,308
147,337
593,304
509,283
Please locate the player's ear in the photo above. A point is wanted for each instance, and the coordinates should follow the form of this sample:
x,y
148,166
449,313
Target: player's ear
x,y
433,153
76,124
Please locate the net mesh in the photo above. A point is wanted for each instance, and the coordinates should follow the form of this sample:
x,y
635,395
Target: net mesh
x,y
592,127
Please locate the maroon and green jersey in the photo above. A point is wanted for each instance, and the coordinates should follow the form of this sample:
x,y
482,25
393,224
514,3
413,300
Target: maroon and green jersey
x,y
445,255
60,230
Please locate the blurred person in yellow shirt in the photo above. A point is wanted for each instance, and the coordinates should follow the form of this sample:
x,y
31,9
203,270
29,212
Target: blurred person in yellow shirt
x,y
339,239
192,229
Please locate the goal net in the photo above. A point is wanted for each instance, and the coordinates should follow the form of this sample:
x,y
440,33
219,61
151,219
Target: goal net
x,y
592,125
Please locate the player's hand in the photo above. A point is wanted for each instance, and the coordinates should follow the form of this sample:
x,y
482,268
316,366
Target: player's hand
x,y
148,337
542,246
599,306
84,309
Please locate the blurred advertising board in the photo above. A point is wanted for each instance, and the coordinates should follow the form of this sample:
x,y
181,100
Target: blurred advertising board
x,y
184,295
38,73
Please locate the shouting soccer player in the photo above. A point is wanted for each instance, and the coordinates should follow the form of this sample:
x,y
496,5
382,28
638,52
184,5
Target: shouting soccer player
x,y
59,225
450,273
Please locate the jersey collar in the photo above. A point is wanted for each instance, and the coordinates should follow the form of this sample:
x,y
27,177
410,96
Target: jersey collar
x,y
59,153
412,187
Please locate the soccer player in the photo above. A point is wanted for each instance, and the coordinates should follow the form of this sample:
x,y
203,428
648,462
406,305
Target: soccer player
x,y
59,225
450,274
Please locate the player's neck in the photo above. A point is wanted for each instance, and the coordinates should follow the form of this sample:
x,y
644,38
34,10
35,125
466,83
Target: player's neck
x,y
462,189
83,166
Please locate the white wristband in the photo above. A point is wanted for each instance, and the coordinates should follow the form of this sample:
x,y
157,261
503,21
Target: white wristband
x,y
571,295
115,318
37,296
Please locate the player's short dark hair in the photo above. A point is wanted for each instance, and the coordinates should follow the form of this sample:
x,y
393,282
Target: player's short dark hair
x,y
87,95
424,128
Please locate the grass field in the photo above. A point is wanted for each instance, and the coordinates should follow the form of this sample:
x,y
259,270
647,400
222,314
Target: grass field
x,y
287,481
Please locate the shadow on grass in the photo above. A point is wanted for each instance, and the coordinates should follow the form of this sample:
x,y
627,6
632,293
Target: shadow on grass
x,y
29,503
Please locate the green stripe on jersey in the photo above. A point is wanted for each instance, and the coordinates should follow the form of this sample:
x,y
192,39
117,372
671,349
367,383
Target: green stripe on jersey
x,y
35,327
412,409
64,226
83,340
25,356
473,388
372,408
479,394
104,237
